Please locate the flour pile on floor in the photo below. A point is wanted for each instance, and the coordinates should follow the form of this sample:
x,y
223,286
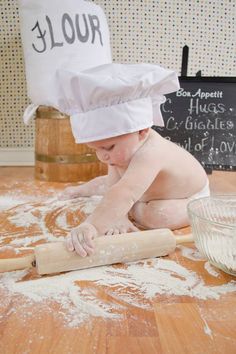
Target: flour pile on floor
x,y
97,292
10,201
42,221
135,285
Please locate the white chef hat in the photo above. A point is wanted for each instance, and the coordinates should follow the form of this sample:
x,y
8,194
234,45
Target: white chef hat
x,y
114,99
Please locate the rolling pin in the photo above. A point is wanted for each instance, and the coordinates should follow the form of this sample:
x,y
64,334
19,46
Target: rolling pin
x,y
53,257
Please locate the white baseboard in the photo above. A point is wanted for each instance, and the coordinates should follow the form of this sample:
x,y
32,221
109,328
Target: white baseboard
x,y
17,157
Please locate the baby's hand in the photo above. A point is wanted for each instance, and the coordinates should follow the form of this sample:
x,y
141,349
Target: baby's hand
x,y
81,239
122,226
70,193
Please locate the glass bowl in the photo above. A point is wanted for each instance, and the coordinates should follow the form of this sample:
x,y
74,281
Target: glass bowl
x,y
213,222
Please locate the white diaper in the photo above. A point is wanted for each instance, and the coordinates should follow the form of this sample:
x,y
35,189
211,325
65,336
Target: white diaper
x,y
205,192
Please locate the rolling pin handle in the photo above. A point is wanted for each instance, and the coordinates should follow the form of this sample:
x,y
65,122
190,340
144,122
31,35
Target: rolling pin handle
x,y
18,263
184,239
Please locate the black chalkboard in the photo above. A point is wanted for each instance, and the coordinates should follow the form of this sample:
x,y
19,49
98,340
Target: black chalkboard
x,y
201,117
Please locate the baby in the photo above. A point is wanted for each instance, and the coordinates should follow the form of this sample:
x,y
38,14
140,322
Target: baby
x,y
150,179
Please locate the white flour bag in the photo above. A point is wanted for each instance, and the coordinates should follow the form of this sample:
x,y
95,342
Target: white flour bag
x,y
59,33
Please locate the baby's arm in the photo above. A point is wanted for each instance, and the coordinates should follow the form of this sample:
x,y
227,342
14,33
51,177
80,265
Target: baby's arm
x,y
120,198
97,186
116,203
123,224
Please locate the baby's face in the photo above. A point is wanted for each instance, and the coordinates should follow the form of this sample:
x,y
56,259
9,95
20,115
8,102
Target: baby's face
x,y
117,151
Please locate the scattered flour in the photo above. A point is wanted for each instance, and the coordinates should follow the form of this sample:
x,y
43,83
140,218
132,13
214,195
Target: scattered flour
x,y
206,328
8,201
26,241
191,253
134,285
25,220
9,248
211,270
62,220
46,220
208,331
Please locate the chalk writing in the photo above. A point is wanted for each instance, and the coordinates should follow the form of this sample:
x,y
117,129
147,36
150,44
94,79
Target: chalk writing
x,y
197,107
201,118
191,123
199,93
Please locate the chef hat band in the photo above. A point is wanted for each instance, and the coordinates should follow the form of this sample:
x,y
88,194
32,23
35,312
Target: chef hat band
x,y
112,120
114,99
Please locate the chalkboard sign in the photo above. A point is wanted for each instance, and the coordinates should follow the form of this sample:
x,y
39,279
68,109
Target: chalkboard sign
x,y
201,117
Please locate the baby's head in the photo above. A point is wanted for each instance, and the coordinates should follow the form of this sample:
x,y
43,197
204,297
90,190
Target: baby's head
x,y
119,150
115,105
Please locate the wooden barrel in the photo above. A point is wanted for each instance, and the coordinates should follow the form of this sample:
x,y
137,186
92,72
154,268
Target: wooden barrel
x,y
57,157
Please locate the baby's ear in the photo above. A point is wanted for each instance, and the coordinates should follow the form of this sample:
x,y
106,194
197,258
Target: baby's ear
x,y
143,133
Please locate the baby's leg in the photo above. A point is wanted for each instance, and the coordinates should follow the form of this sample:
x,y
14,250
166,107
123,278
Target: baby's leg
x,y
158,214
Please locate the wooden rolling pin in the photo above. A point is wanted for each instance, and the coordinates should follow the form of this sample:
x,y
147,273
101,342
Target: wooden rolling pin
x,y
53,257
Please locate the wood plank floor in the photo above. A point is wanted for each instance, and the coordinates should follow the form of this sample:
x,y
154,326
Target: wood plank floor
x,y
165,323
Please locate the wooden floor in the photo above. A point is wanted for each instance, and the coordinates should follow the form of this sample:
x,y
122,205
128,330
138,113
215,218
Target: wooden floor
x,y
169,324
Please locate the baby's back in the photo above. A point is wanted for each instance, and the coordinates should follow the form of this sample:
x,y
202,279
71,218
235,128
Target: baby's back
x,y
180,175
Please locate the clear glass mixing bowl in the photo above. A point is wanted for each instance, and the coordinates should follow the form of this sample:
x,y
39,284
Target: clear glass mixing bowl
x,y
213,222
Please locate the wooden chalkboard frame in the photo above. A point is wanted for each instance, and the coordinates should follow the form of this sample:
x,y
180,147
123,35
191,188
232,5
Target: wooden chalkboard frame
x,y
214,80
208,78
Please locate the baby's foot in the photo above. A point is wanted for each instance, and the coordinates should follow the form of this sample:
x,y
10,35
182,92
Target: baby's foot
x,y
121,227
70,193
